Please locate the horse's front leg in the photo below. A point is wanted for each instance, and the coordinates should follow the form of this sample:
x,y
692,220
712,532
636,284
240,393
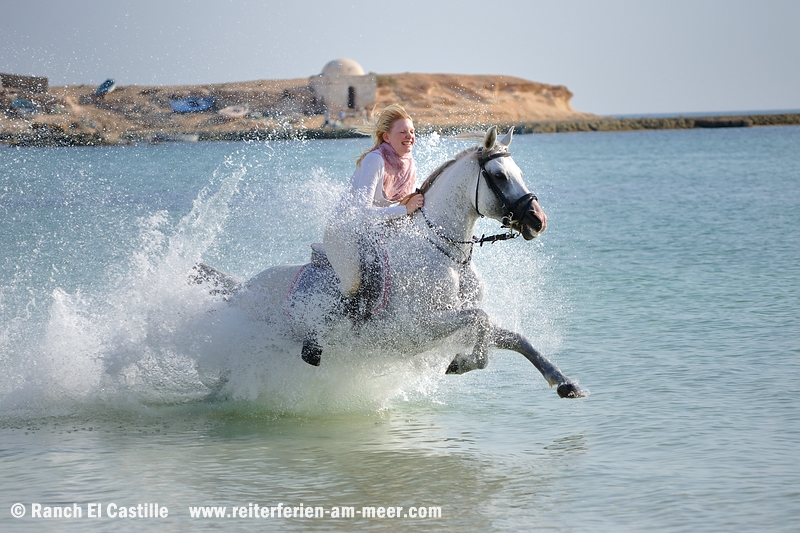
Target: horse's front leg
x,y
473,324
479,358
509,340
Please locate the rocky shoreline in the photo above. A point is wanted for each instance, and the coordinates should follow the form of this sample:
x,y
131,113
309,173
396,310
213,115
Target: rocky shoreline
x,y
55,136
288,109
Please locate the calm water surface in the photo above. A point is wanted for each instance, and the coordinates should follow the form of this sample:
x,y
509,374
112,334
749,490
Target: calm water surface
x,y
667,284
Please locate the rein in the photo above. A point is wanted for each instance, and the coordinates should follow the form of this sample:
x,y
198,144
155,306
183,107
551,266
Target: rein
x,y
475,240
452,242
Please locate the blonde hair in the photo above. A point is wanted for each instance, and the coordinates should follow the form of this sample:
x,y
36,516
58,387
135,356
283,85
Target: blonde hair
x,y
376,127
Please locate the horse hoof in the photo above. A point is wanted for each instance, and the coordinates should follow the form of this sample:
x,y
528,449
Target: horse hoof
x,y
570,390
462,363
455,367
311,352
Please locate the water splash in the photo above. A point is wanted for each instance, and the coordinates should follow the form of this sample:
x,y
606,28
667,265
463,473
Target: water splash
x,y
144,335
129,337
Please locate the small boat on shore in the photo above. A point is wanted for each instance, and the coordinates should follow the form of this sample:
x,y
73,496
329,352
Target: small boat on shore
x,y
105,88
191,104
24,106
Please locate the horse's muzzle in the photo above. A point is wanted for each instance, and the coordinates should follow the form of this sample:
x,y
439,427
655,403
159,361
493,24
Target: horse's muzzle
x,y
530,226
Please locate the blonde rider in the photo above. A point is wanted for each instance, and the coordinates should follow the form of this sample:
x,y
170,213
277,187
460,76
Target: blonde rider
x,y
381,188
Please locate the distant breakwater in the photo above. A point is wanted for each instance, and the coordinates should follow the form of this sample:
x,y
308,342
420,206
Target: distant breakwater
x,y
51,135
671,123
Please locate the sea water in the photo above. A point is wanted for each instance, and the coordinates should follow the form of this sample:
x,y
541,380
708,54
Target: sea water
x,y
667,285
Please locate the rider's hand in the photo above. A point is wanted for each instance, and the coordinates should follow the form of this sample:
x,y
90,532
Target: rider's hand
x,y
414,202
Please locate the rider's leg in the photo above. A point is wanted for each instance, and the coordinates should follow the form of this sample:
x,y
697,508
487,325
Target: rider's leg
x,y
342,251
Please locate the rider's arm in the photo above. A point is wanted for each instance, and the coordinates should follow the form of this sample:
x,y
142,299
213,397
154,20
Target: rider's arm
x,y
366,181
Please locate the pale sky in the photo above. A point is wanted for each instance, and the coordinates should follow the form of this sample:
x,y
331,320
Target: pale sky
x,y
617,56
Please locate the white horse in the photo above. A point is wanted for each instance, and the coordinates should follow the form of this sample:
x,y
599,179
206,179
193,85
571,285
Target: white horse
x,y
427,290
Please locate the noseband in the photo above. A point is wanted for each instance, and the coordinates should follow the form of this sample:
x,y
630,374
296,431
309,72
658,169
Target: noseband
x,y
513,211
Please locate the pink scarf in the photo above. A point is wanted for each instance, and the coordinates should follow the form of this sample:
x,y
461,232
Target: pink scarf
x,y
399,173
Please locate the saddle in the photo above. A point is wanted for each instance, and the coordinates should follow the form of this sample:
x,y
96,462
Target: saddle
x,y
314,297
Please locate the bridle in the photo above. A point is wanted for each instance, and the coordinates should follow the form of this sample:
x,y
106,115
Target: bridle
x,y
513,211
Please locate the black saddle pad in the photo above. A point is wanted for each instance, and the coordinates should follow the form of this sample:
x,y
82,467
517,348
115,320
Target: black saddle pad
x,y
314,294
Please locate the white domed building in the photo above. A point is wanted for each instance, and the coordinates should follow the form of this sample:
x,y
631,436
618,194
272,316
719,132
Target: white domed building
x,y
343,86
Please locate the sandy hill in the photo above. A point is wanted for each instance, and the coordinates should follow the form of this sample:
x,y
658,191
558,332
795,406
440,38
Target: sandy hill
x,y
449,99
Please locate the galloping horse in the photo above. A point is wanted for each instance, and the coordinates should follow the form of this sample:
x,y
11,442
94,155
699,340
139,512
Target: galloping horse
x,y
429,289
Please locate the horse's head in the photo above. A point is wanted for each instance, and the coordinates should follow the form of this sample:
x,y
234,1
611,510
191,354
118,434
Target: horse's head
x,y
501,193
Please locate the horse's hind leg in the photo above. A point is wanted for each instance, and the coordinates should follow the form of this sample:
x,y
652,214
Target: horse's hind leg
x,y
508,340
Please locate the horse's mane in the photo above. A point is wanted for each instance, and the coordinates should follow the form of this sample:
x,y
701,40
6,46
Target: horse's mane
x,y
426,185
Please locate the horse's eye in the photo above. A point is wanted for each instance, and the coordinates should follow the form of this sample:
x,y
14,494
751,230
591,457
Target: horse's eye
x,y
497,176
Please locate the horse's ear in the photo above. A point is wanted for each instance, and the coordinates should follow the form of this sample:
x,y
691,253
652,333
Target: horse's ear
x,y
506,140
490,139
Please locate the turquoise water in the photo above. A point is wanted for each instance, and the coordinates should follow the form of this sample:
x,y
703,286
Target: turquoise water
x,y
667,284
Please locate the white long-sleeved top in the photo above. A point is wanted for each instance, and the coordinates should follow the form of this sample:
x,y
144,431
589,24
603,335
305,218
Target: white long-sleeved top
x,y
365,195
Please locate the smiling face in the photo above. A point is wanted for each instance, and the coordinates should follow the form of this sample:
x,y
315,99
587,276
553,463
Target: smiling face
x,y
401,136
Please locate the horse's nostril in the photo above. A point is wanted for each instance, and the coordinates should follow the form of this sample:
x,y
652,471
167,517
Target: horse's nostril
x,y
536,222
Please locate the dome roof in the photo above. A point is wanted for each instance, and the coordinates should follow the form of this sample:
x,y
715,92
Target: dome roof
x,y
342,67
